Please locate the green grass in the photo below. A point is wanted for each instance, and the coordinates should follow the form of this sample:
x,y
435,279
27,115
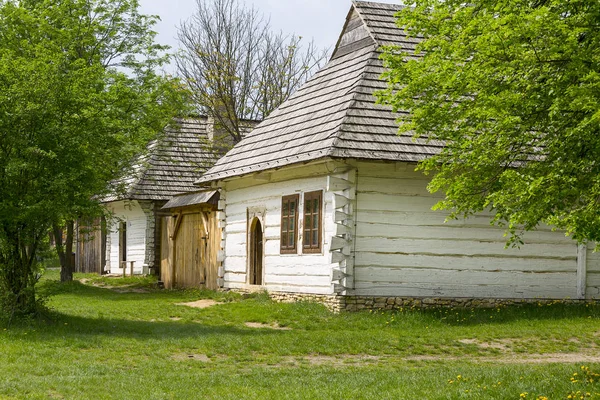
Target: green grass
x,y
115,338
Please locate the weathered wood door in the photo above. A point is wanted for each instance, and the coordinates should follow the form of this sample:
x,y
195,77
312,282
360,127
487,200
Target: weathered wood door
x,y
256,253
189,250
91,246
166,251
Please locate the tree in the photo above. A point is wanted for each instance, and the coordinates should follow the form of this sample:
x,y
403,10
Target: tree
x,y
79,98
236,68
512,88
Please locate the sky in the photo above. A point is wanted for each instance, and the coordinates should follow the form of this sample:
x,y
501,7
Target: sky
x,y
321,20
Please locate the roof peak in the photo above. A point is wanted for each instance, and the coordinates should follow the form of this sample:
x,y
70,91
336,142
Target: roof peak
x,y
334,114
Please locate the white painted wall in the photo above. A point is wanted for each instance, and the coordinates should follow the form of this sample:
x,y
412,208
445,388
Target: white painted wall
x,y
303,273
132,213
403,248
400,247
593,272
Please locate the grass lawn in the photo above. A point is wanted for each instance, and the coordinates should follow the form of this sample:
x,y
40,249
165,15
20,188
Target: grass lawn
x,y
121,339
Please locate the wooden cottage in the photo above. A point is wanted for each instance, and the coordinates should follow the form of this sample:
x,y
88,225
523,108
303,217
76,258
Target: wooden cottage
x,y
132,237
322,198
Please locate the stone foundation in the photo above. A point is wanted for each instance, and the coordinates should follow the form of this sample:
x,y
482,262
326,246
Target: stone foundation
x,y
338,303
334,303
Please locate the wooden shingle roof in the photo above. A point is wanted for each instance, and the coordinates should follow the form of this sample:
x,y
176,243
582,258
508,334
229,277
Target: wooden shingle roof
x,y
172,164
334,115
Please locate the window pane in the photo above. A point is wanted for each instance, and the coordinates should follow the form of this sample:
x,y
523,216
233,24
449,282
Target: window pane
x,y
315,224
306,240
316,206
291,239
291,224
285,208
307,221
315,239
292,207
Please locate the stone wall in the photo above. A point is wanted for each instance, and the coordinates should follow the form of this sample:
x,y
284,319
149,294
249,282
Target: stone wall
x,y
334,303
152,255
338,303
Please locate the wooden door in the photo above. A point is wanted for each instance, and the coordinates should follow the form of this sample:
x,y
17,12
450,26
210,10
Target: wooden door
x,y
190,245
91,246
256,253
166,251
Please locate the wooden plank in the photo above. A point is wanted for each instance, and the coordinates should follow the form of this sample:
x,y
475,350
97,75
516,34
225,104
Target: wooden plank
x,y
581,270
485,233
489,263
354,35
465,247
464,277
212,254
463,291
166,250
593,279
300,269
308,281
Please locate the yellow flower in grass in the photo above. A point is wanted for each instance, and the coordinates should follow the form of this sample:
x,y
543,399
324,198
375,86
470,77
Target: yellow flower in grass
x,y
523,395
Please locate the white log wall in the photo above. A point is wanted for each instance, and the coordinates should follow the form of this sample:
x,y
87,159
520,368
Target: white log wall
x,y
132,213
405,249
592,272
303,273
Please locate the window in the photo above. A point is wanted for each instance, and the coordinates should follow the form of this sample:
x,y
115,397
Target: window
x,y
311,242
289,224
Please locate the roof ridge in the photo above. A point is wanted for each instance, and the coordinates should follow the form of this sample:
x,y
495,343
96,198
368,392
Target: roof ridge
x,y
356,7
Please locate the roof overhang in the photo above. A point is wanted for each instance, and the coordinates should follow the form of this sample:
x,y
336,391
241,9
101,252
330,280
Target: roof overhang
x,y
193,199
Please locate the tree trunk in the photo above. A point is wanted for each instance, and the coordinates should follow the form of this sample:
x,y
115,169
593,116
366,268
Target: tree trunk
x,y
65,251
17,272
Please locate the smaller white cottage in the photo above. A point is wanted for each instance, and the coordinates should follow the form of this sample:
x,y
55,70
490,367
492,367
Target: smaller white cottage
x,y
322,200
132,236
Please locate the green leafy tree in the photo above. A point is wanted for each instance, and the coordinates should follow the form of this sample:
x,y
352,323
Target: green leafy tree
x,y
79,98
512,88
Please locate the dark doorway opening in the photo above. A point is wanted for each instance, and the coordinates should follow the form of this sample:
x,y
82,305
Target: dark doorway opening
x,y
256,252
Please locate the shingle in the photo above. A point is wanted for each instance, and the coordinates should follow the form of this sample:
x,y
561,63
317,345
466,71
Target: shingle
x,y
172,164
335,113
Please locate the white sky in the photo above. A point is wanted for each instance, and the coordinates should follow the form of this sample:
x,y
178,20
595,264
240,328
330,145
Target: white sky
x,y
321,20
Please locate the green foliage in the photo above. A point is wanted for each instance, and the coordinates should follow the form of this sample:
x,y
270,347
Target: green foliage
x,y
79,98
512,88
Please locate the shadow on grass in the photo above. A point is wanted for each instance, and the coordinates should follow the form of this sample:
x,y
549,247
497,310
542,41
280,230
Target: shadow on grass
x,y
98,306
457,317
60,326
113,293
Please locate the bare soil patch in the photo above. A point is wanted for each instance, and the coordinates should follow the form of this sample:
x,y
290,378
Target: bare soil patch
x,y
501,345
118,289
518,358
275,326
204,303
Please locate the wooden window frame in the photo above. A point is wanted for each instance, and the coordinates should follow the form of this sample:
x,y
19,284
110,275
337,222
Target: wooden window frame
x,y
289,248
311,248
